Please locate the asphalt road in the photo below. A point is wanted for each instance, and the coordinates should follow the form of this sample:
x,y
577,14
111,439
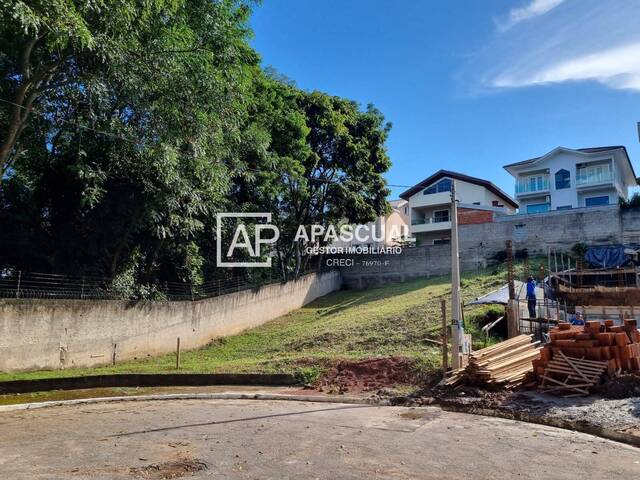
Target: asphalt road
x,y
245,439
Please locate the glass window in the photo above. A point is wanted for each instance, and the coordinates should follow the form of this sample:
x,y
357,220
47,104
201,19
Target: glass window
x,y
440,216
441,186
595,201
441,241
564,207
538,208
563,179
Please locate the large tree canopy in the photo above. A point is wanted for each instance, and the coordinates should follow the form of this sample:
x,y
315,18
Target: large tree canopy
x,y
126,125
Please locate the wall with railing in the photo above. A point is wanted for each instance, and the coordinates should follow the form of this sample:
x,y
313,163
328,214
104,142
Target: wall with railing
x,y
53,333
21,284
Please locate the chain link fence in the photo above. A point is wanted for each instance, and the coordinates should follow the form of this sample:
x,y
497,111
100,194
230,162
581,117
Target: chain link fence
x,y
19,284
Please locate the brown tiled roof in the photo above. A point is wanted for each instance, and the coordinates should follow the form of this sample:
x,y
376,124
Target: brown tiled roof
x,y
463,178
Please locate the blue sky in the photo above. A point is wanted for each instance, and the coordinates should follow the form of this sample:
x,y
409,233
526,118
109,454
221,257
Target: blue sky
x,y
469,85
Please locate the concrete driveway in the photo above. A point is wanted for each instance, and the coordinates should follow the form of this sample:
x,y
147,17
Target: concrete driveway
x,y
245,439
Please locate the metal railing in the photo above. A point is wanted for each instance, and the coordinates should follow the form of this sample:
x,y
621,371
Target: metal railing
x,y
429,220
19,284
540,184
594,177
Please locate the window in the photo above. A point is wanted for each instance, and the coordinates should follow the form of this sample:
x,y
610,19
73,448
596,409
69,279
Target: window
x,y
536,183
406,210
441,186
564,207
440,216
595,201
538,208
592,174
441,241
563,179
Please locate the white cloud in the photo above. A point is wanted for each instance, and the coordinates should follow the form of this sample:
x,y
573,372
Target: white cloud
x,y
580,40
617,67
533,9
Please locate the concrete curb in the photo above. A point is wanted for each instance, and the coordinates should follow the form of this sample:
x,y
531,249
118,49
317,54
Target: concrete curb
x,y
577,426
196,396
148,380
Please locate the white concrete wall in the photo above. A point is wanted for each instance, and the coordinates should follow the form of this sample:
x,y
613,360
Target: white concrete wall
x,y
53,334
571,196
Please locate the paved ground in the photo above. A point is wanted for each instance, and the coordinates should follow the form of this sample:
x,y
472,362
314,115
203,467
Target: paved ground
x,y
244,439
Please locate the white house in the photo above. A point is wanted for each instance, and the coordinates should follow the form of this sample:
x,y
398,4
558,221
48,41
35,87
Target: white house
x,y
568,178
429,204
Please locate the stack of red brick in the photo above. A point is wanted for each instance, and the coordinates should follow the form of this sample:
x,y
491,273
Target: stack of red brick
x,y
618,345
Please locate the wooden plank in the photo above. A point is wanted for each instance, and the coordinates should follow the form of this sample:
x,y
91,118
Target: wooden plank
x,y
521,339
516,350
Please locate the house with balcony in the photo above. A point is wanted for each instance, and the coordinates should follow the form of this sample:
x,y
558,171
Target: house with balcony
x,y
568,178
429,204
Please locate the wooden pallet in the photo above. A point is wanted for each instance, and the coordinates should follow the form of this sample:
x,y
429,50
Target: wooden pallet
x,y
571,376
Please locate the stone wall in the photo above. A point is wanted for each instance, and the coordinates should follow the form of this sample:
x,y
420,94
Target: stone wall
x,y
480,242
52,334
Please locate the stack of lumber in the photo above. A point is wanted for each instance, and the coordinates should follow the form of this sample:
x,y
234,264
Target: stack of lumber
x,y
571,376
505,364
616,345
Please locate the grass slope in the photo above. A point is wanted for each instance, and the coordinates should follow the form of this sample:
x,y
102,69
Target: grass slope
x,y
354,324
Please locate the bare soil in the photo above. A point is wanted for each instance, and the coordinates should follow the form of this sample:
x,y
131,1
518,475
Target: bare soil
x,y
370,374
166,470
623,386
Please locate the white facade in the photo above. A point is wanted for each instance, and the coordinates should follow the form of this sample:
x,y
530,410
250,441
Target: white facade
x,y
565,178
429,204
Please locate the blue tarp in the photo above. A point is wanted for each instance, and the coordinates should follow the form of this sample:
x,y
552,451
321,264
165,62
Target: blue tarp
x,y
607,257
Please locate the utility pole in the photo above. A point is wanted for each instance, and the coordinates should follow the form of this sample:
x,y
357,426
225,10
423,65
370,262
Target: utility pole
x,y
457,330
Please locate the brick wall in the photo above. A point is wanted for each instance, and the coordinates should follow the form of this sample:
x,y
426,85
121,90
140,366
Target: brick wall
x,y
469,216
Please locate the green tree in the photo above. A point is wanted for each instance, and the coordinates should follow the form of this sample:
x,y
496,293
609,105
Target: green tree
x,y
314,159
131,137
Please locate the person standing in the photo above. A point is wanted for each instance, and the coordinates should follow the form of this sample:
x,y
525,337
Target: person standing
x,y
531,297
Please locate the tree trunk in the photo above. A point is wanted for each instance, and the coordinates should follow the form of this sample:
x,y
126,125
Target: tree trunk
x,y
22,103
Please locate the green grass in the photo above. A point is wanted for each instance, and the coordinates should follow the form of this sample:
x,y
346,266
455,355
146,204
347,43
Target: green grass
x,y
351,324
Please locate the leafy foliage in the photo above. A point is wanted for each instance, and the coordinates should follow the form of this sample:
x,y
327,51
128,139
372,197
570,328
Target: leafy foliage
x,y
125,127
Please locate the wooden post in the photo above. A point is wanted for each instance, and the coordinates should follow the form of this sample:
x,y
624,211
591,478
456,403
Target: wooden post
x,y
513,320
178,353
512,288
445,352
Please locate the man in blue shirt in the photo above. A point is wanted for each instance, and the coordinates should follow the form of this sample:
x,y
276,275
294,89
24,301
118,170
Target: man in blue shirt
x,y
531,297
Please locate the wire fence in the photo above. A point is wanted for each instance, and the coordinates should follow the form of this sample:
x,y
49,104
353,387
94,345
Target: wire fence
x,y
19,284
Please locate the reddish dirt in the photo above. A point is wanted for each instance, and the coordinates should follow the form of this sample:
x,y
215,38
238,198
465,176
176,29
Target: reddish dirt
x,y
370,374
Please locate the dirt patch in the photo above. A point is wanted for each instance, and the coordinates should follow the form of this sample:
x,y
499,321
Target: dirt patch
x,y
166,470
623,386
370,374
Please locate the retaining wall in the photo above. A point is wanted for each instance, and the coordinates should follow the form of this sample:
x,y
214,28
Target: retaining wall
x,y
480,242
52,334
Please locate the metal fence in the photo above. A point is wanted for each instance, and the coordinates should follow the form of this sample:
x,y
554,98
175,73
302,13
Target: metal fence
x,y
19,284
